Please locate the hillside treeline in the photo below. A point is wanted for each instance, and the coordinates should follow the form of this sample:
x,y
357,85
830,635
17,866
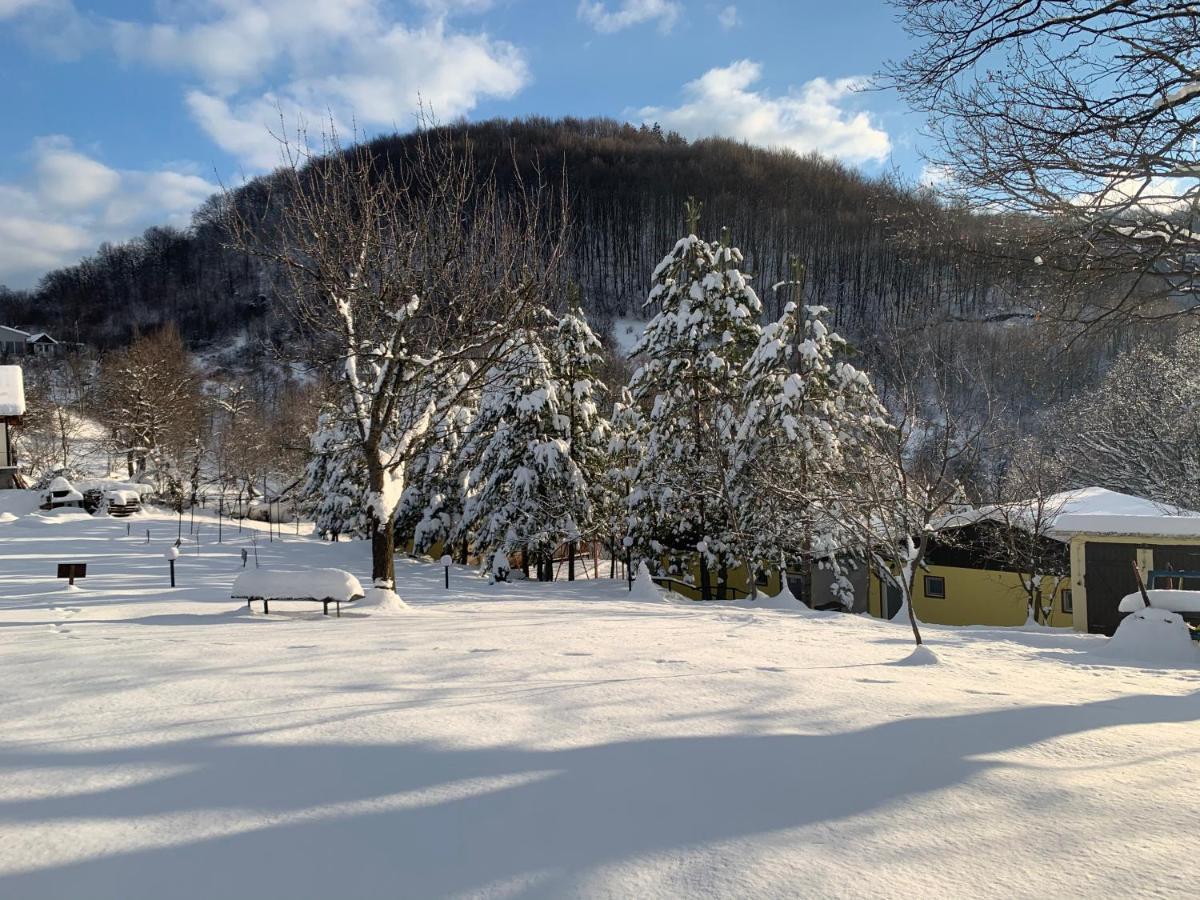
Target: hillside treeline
x,y
875,252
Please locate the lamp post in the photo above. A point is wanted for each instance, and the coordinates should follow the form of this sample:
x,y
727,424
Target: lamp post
x,y
446,561
172,554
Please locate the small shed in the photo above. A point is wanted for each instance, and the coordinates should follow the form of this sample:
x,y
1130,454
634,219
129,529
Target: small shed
x,y
1108,534
12,407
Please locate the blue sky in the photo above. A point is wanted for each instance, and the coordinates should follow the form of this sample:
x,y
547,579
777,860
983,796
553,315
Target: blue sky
x,y
119,115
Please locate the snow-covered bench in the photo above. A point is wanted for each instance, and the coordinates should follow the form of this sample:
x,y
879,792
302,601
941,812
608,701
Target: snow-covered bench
x,y
1185,603
324,586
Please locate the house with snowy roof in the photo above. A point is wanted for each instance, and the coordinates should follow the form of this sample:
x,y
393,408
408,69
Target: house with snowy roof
x,y
12,407
1089,541
16,342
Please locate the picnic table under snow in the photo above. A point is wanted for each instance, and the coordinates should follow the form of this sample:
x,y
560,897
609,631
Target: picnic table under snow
x,y
1175,601
320,584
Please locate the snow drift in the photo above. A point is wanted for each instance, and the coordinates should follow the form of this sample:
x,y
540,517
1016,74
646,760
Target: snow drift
x,y
644,587
1154,636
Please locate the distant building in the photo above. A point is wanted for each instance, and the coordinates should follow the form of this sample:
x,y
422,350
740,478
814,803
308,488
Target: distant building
x,y
12,407
15,342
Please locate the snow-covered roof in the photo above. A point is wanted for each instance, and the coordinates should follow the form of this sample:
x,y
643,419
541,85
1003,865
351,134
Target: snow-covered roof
x,y
41,335
1098,511
12,391
1092,510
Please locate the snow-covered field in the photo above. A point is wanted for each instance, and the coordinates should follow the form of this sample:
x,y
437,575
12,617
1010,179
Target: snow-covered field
x,y
555,740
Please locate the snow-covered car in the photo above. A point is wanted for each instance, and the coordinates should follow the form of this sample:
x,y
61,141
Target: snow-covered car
x,y
61,494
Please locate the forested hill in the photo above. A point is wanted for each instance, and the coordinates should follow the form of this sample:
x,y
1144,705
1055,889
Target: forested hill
x,y
874,251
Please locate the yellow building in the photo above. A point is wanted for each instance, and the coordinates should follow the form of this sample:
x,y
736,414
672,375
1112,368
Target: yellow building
x,y
1104,534
954,595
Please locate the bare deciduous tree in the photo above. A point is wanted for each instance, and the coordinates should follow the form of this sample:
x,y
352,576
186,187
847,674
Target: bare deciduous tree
x,y
902,497
150,400
405,279
1030,495
1081,116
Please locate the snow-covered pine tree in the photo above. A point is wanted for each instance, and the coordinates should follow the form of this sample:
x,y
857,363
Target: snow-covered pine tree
x,y
526,493
807,412
335,484
694,351
576,356
624,455
431,507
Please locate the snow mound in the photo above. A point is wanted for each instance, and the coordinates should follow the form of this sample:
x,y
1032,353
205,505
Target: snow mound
x,y
1175,601
1155,636
644,587
921,656
61,516
382,602
785,599
322,584
15,503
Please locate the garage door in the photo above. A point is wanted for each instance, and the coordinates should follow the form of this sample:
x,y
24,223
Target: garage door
x,y
1108,576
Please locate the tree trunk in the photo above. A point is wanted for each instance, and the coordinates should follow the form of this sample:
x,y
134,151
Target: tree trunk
x,y
705,582
383,556
571,560
383,533
912,579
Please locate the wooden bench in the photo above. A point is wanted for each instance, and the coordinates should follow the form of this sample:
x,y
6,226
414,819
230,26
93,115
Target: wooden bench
x,y
324,601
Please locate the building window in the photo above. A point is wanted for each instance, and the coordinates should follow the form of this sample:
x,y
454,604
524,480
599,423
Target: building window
x,y
935,587
761,578
1068,605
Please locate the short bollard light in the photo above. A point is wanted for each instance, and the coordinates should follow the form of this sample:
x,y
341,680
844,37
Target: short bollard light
x,y
446,561
172,554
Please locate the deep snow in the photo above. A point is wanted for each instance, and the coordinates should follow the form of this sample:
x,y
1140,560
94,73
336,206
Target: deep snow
x,y
555,740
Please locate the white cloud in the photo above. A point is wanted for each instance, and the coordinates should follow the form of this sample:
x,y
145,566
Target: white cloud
x,y
453,7
53,26
248,131
10,8
810,118
70,202
728,17
70,180
1136,194
934,176
348,60
629,13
